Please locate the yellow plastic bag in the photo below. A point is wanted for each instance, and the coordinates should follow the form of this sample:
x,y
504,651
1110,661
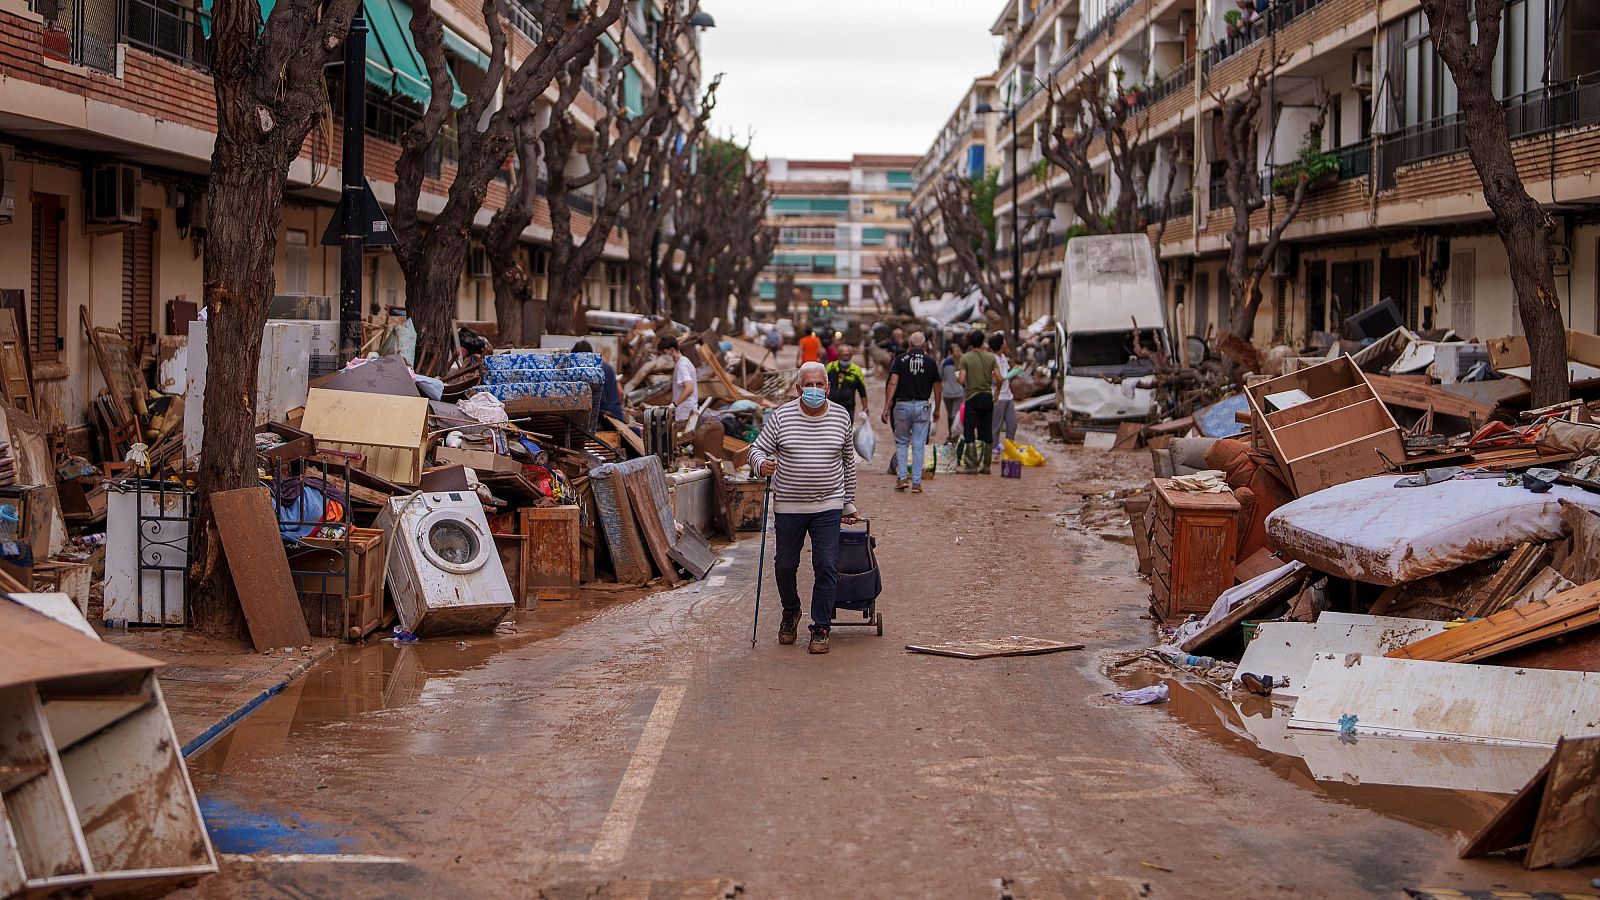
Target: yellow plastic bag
x,y
1022,453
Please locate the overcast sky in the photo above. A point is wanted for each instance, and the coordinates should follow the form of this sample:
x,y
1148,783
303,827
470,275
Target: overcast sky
x,y
827,78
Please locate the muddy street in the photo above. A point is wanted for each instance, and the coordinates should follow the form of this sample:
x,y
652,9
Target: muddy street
x,y
643,739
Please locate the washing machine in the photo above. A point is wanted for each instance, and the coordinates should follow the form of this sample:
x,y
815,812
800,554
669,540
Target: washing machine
x,y
443,571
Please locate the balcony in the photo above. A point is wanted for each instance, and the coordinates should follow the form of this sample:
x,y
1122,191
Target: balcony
x,y
641,27
1181,205
1177,80
167,29
1275,18
523,20
1571,104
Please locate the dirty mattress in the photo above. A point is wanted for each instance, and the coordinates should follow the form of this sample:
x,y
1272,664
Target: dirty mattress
x,y
1369,530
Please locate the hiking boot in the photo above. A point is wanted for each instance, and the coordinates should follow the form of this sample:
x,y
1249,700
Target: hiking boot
x,y
819,640
901,484
984,459
788,627
916,488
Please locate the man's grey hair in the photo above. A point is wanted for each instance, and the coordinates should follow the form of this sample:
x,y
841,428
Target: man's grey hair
x,y
814,367
918,339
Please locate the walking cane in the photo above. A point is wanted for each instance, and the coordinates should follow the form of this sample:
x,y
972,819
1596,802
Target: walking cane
x,y
761,562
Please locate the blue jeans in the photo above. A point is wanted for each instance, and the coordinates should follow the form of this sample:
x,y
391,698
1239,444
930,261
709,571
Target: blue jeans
x,y
911,418
792,529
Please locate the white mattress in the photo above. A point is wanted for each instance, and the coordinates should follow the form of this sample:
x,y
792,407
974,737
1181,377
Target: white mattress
x,y
1369,530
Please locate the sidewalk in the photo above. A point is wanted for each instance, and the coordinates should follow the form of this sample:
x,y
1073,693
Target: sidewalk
x,y
211,684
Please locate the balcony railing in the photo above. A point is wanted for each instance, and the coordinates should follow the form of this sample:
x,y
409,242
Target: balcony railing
x,y
1180,205
445,149
640,27
167,29
1276,17
1176,80
1570,104
1355,160
524,21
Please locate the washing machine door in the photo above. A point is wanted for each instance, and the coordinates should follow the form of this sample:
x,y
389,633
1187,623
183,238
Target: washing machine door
x,y
453,543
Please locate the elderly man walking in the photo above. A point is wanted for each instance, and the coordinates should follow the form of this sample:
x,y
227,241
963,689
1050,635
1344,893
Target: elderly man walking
x,y
805,449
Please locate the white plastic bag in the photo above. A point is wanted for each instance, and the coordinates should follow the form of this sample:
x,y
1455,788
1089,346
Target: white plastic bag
x,y
865,440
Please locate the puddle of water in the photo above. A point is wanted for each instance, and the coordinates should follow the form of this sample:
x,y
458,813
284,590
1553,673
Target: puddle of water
x,y
1449,787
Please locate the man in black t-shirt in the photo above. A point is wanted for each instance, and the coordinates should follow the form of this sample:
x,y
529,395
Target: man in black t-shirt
x,y
912,380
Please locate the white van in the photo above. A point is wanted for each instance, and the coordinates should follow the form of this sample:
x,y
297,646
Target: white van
x,y
1110,288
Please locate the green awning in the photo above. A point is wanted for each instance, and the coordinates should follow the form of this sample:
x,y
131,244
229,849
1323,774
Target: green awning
x,y
393,63
463,48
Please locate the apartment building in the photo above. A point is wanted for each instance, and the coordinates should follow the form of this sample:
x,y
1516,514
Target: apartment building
x,y
107,120
1403,217
962,149
836,220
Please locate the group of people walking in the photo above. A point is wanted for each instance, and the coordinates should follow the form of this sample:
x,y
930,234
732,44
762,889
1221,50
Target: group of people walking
x,y
972,384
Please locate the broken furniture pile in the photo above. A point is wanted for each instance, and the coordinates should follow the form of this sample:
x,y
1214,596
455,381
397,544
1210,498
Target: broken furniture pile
x,y
1398,584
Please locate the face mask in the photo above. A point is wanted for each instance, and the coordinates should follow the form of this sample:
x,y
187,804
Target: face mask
x,y
813,397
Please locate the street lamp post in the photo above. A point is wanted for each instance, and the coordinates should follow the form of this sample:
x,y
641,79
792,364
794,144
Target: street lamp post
x,y
700,19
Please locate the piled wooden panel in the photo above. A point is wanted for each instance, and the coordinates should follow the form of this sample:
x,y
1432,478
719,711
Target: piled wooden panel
x,y
1509,629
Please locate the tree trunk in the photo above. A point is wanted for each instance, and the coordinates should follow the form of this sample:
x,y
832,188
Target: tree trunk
x,y
512,289
431,303
240,248
566,293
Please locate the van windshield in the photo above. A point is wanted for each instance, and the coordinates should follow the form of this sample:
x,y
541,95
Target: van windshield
x,y
1110,352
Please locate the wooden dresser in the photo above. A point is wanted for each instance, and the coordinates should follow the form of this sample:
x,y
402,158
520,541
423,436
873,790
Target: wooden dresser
x,y
1194,538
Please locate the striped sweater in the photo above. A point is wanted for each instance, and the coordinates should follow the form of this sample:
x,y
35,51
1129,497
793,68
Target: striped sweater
x,y
816,459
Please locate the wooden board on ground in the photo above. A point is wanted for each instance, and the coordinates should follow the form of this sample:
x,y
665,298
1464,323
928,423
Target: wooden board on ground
x,y
1277,591
260,568
721,518
1412,395
1518,569
1128,436
1553,814
1015,645
629,560
647,512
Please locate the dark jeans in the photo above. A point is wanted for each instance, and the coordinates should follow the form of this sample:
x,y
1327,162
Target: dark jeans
x,y
824,530
977,421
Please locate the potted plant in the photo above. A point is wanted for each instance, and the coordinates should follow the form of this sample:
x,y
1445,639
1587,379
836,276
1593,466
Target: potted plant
x,y
1232,17
1317,167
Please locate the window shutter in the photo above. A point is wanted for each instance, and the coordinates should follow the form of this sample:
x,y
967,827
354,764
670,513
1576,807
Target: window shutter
x,y
46,301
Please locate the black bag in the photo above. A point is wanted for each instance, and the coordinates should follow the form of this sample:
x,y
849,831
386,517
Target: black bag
x,y
860,582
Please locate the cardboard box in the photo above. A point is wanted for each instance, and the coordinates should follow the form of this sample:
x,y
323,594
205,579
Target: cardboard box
x,y
1511,356
478,460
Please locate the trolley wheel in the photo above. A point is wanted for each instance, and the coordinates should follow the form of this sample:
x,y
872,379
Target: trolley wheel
x,y
878,620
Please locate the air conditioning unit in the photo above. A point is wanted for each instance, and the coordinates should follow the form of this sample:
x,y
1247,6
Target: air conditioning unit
x,y
478,264
1361,70
8,184
114,194
1283,261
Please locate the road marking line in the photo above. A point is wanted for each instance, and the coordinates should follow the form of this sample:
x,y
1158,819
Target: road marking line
x,y
361,858
617,830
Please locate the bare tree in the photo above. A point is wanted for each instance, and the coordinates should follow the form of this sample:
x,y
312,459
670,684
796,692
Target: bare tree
x,y
513,283
966,211
1239,133
1467,35
1100,110
665,165
898,277
933,279
268,78
719,242
783,292
433,253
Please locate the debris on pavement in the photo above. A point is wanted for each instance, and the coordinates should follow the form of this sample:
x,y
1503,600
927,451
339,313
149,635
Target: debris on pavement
x,y
1155,693
1015,645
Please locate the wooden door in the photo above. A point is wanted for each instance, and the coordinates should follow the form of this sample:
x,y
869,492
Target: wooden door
x,y
14,371
1463,268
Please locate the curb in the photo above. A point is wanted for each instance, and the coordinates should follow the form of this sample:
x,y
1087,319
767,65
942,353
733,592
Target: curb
x,y
221,727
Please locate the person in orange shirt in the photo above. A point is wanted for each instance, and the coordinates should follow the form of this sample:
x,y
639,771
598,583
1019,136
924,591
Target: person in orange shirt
x,y
810,348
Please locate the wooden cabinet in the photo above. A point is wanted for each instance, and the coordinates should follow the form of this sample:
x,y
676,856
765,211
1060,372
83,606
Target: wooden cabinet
x,y
1340,431
553,553
1193,542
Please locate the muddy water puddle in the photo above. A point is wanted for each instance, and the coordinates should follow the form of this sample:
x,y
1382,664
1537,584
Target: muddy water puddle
x,y
1449,787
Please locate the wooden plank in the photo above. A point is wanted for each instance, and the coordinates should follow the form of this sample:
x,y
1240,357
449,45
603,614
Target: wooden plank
x,y
1503,626
634,442
629,560
259,567
14,371
721,517
1538,635
390,431
1513,824
1275,592
647,514
1518,569
720,373
1567,829
1411,395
